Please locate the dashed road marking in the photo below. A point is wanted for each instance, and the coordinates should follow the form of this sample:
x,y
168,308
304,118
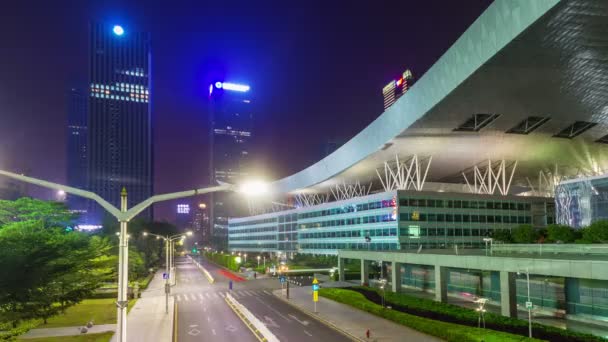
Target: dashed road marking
x,y
200,295
307,333
222,294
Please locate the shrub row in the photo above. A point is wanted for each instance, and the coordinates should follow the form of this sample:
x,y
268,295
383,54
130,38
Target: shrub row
x,y
24,326
443,330
460,315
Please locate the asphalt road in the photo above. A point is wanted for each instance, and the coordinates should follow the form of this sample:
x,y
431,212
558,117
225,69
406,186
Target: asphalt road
x,y
202,313
287,323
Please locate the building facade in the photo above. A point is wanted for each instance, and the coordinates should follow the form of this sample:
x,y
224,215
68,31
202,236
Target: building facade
x,y
77,148
391,220
580,202
395,88
119,121
231,120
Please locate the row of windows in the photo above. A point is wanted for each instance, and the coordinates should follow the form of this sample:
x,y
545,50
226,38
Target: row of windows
x,y
254,230
350,233
363,246
288,227
261,237
351,208
416,231
439,203
255,245
425,217
249,223
287,237
350,221
288,218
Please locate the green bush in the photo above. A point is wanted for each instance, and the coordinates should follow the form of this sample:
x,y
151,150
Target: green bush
x,y
443,330
226,260
8,333
457,314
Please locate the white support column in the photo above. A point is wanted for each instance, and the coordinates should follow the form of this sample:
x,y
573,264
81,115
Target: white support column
x,y
403,175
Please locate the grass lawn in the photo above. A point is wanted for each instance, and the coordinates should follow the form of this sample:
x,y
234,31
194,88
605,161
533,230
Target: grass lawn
x,y
101,311
101,337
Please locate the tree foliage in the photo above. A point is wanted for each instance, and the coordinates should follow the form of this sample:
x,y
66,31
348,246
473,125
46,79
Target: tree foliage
x,y
502,235
48,214
524,233
560,233
597,232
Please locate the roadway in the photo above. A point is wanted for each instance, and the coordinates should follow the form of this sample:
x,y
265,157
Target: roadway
x,y
201,308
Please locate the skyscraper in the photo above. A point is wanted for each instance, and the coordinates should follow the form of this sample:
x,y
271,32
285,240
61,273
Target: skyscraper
x,y
77,147
231,120
119,122
395,88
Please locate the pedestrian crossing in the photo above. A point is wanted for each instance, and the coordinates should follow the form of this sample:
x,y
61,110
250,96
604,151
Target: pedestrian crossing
x,y
205,296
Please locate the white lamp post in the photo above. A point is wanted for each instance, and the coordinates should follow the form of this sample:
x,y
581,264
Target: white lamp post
x,y
258,261
529,302
123,216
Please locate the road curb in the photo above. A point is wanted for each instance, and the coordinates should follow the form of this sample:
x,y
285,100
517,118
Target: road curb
x,y
246,321
321,319
206,273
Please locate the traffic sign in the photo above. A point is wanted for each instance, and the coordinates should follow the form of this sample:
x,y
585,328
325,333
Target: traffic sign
x,y
315,296
165,276
529,305
315,287
282,279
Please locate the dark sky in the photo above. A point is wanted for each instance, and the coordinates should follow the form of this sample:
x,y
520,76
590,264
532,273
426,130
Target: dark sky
x,y
316,72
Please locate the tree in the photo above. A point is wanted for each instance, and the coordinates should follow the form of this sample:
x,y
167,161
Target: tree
x,y
524,233
503,235
48,214
597,232
560,233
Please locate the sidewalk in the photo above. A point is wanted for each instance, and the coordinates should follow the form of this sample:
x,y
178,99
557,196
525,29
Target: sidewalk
x,y
352,321
66,331
147,320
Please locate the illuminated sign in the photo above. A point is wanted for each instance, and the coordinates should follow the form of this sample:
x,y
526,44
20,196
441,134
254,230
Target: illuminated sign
x,y
183,209
88,227
232,86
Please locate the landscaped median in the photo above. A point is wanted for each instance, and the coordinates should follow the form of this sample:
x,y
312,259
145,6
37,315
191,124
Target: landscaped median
x,y
101,337
444,330
204,270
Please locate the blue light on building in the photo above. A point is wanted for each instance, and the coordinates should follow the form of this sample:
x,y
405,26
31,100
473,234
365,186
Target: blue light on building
x,y
118,30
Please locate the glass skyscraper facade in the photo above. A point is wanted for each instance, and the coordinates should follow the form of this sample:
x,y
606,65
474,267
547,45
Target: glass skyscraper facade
x,y
389,221
119,120
231,120
580,202
77,148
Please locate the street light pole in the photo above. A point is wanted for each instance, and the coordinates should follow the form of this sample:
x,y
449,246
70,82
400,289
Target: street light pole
x,y
123,273
529,309
167,286
123,216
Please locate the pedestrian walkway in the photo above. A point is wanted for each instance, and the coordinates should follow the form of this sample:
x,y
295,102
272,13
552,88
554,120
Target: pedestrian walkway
x,y
215,295
66,331
147,320
352,321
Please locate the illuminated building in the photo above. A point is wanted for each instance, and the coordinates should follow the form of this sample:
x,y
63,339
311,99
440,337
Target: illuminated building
x,y
119,122
231,120
395,88
77,148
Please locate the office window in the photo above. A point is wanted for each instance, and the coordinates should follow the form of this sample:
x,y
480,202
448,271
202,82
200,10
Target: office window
x,y
440,231
449,218
440,217
466,218
475,232
489,205
520,206
450,231
465,204
450,204
430,203
457,218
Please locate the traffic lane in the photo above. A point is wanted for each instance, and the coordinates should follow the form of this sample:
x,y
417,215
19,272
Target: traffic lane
x,y
289,323
216,271
210,319
201,316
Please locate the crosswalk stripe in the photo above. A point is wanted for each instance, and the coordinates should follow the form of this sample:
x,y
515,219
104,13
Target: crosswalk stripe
x,y
193,296
179,299
242,293
200,295
235,295
251,293
266,292
208,295
215,295
222,294
186,297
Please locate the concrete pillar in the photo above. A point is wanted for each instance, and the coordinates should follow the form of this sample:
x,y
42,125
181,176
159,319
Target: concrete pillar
x,y
508,299
494,285
364,271
341,269
396,276
441,284
573,296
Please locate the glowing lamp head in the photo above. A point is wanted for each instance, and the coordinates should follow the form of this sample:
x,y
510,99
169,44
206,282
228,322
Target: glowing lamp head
x,y
118,30
400,81
254,188
218,85
189,233
238,259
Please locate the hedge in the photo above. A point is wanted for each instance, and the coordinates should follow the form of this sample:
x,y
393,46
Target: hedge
x,y
456,314
447,331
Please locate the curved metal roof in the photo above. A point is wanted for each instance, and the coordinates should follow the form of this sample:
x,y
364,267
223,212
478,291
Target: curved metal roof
x,y
544,59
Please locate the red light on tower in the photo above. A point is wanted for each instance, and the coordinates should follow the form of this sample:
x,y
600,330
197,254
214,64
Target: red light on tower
x,y
400,82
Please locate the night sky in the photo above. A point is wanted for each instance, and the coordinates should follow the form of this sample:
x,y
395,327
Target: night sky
x,y
316,73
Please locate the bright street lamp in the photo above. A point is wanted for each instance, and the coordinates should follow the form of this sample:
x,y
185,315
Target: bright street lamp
x,y
258,261
529,302
254,188
123,216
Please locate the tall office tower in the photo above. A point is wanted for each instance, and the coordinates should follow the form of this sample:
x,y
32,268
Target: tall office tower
x,y
77,149
231,120
200,222
120,123
395,88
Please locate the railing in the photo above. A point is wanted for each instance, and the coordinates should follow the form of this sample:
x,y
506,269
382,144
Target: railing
x,y
540,249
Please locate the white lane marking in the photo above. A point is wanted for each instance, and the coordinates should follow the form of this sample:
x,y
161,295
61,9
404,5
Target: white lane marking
x,y
235,295
304,323
186,297
270,322
243,293
215,295
208,295
204,309
179,299
307,333
193,296
222,294
249,293
266,292
213,332
275,311
200,295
